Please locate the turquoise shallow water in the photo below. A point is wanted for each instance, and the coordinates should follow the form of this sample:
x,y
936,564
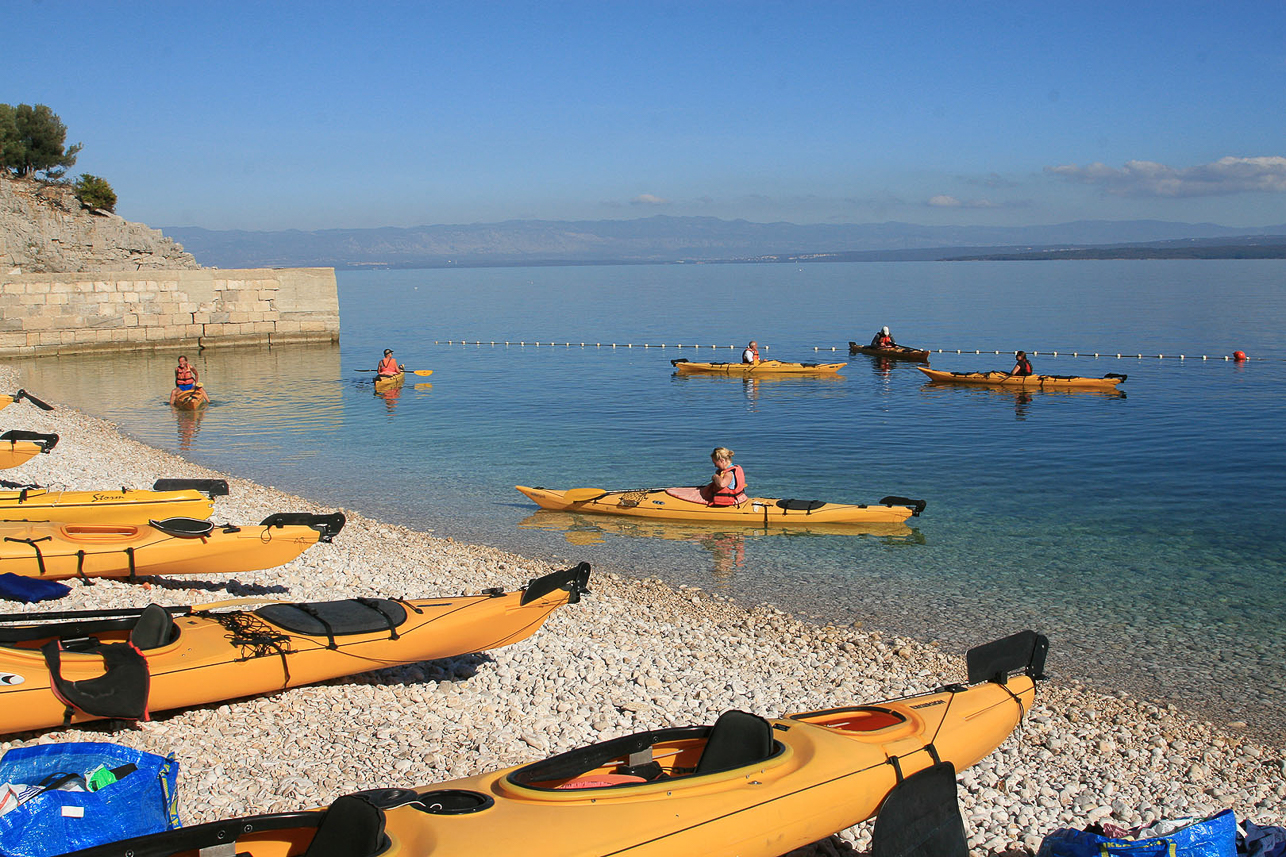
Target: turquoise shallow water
x,y
1142,532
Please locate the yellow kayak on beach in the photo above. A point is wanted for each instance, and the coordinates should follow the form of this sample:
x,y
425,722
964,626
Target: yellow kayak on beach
x,y
86,665
169,498
684,504
742,787
1036,382
19,447
764,367
55,551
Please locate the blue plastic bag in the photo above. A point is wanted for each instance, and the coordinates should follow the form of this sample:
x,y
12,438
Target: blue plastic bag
x,y
1215,836
143,798
29,590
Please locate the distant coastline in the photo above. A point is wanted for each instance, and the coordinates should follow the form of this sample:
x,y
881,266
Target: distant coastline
x,y
663,240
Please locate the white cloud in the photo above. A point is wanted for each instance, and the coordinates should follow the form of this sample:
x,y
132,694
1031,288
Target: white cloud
x,y
648,199
942,200
1224,177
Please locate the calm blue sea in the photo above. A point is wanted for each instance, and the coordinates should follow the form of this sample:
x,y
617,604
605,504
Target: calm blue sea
x,y
1142,532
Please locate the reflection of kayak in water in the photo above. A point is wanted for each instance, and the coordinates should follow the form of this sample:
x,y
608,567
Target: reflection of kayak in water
x,y
590,529
678,504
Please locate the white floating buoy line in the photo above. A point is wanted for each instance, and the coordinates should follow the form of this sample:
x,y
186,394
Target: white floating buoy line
x,y
1237,356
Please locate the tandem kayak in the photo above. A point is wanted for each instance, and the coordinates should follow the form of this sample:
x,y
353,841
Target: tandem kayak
x,y
18,447
55,551
897,352
672,504
764,367
88,665
168,498
388,382
742,787
1004,379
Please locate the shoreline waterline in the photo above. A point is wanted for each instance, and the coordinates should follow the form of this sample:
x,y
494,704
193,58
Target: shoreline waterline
x,y
634,654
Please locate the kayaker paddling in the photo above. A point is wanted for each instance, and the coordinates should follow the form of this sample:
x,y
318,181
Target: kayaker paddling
x,y
751,354
728,487
883,339
388,367
1022,366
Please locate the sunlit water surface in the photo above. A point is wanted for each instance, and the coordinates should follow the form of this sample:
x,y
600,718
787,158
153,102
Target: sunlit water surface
x,y
1142,532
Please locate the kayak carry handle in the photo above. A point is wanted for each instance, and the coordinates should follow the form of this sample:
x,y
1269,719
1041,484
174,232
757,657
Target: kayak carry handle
x,y
917,506
210,487
575,580
46,441
677,362
328,525
1022,652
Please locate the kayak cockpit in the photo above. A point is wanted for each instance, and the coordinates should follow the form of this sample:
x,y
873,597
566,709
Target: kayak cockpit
x,y
736,740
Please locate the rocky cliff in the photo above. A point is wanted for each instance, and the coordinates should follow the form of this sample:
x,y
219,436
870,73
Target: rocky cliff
x,y
44,229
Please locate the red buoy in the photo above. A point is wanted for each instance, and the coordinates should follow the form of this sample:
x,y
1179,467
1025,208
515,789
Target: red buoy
x,y
1239,356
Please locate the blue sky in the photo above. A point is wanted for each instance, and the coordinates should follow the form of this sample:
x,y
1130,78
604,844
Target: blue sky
x,y
267,115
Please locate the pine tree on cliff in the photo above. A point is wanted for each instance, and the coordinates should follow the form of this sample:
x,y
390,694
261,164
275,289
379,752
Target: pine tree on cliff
x,y
32,140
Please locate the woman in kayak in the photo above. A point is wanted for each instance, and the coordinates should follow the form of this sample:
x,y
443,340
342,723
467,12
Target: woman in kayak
x,y
185,378
728,487
388,366
1023,366
751,354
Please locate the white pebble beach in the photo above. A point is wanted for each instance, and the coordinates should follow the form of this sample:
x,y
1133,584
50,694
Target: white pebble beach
x,y
632,655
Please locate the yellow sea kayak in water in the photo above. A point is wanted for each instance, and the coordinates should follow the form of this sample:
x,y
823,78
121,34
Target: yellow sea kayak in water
x,y
388,382
743,787
1037,382
88,665
750,370
55,551
18,447
169,498
683,504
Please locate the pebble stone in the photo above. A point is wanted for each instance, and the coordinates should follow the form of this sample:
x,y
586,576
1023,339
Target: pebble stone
x,y
633,655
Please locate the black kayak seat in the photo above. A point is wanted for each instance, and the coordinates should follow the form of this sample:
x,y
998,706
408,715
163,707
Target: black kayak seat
x,y
737,739
154,628
351,827
335,618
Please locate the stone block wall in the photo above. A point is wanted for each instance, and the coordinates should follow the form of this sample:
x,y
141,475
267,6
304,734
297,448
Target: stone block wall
x,y
47,314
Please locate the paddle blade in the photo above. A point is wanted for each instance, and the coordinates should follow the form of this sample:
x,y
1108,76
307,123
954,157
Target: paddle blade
x,y
424,372
584,495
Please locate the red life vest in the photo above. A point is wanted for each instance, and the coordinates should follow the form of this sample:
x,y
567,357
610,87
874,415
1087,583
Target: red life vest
x,y
1024,367
754,352
735,492
184,375
388,366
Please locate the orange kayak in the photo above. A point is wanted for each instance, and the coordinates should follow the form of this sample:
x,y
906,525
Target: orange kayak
x,y
742,787
1036,382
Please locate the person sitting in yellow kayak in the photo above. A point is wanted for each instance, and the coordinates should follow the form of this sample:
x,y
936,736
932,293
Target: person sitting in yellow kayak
x,y
388,366
1023,366
751,354
728,487
185,378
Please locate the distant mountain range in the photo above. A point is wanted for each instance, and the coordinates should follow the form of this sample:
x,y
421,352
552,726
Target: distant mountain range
x,y
664,239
